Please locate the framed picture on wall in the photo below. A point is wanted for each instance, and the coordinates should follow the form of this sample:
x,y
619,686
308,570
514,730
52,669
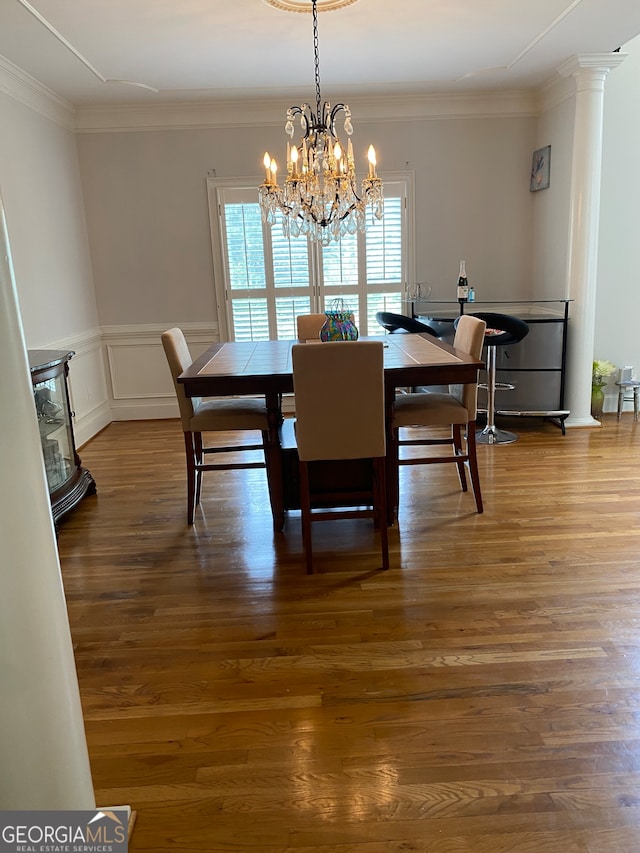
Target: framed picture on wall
x,y
540,169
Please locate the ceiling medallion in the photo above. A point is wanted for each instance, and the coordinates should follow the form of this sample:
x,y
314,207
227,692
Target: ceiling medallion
x,y
306,5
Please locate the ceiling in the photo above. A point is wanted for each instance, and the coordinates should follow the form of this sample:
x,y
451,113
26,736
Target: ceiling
x,y
169,51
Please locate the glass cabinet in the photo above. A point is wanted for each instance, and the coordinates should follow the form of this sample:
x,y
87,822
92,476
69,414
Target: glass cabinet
x,y
68,481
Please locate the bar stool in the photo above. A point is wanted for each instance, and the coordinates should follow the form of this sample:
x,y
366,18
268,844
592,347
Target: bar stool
x,y
625,385
502,331
401,323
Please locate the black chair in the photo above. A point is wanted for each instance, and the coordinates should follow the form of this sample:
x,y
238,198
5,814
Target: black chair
x,y
503,330
401,323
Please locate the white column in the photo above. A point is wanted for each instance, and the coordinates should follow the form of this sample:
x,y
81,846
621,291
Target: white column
x,y
589,73
44,762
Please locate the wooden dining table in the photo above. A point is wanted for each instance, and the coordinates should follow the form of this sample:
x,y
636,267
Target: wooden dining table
x,y
264,368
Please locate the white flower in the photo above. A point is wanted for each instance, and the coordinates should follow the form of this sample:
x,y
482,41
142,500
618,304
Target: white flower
x,y
601,370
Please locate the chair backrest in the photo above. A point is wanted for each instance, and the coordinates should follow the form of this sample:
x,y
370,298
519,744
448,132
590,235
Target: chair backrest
x,y
339,394
469,338
309,325
179,358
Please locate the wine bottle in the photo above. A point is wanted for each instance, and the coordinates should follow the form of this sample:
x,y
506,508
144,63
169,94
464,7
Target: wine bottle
x,y
463,286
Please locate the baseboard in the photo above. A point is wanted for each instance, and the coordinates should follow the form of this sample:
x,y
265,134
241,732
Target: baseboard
x,y
90,424
143,410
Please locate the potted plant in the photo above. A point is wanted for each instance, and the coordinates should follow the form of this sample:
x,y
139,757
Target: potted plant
x,y
600,373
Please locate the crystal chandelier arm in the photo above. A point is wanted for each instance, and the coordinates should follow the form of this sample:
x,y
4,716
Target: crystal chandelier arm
x,y
331,123
306,119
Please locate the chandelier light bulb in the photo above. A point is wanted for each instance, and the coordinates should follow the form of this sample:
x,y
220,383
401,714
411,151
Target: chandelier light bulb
x,y
371,157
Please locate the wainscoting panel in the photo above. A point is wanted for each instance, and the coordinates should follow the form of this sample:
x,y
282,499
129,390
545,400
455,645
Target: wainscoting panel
x,y
139,381
87,384
120,373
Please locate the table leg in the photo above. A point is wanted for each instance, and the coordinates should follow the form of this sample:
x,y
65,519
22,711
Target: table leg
x,y
635,402
273,456
392,472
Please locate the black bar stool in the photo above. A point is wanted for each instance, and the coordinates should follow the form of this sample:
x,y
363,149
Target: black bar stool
x,y
502,331
401,323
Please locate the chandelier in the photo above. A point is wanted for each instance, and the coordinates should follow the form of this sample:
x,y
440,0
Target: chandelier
x,y
320,197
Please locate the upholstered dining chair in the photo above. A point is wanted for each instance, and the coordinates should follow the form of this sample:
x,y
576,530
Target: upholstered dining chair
x,y
308,326
351,429
199,416
456,409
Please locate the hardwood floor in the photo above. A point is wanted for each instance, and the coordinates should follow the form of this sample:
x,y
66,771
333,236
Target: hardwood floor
x,y
483,695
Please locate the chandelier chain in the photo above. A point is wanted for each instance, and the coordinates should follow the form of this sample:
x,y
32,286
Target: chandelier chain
x,y
316,54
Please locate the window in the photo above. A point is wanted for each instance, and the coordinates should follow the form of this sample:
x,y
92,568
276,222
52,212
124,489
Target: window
x,y
264,279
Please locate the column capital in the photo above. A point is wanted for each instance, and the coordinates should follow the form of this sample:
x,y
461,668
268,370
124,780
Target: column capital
x,y
599,62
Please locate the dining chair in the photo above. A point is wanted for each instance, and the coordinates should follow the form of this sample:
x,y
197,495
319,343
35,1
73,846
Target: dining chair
x,y
308,326
456,409
199,416
343,422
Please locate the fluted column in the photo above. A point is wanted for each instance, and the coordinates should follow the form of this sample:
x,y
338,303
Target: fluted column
x,y
43,752
589,73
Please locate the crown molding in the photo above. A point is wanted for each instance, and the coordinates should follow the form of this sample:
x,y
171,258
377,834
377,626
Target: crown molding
x,y
255,113
20,86
190,115
556,91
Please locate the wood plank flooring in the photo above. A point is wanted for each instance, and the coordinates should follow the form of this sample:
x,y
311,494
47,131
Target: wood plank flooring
x,y
483,695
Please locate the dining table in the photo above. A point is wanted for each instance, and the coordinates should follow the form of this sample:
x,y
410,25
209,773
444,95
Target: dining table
x,y
264,368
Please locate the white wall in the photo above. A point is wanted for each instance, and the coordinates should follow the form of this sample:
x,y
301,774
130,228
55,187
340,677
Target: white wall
x,y
43,202
145,195
145,247
618,300
472,201
149,232
551,206
42,194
